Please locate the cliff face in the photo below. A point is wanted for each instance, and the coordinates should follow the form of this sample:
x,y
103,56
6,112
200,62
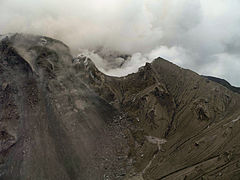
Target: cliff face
x,y
61,118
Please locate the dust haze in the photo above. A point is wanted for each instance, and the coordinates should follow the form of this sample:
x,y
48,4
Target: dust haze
x,y
197,34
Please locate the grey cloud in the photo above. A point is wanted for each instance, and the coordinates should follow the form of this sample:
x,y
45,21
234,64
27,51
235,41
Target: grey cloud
x,y
233,45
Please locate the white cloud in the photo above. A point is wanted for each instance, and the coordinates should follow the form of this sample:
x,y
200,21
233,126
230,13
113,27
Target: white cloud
x,y
191,33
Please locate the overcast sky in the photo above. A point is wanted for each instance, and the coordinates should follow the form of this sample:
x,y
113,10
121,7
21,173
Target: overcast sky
x,y
202,35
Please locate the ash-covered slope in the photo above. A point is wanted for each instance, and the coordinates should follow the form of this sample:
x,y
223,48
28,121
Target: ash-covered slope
x,y
183,126
163,122
52,126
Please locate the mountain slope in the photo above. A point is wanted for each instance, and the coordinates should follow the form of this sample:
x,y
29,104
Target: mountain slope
x,y
183,126
61,118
